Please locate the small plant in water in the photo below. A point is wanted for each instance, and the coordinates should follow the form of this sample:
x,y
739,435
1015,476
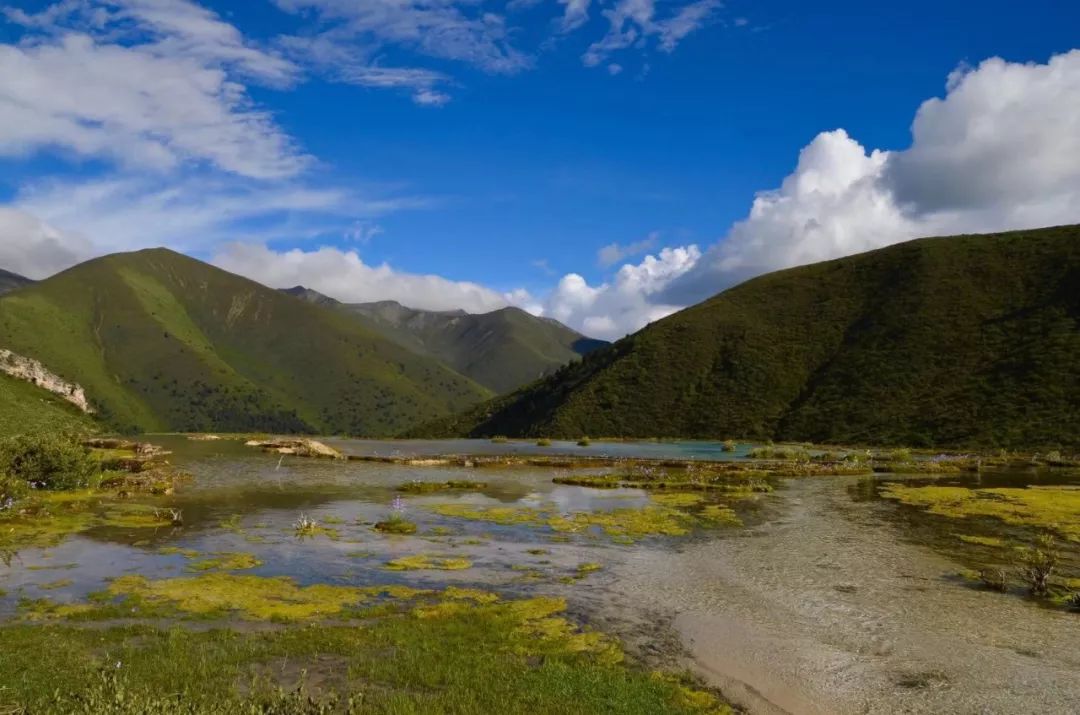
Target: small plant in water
x,y
173,516
305,525
1037,565
584,442
543,442
396,523
1072,602
994,579
729,446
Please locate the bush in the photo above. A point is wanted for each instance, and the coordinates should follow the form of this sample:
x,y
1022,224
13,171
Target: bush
x,y
1037,564
47,462
994,579
728,446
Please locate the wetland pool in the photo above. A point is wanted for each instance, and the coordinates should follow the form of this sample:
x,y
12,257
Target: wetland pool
x,y
821,596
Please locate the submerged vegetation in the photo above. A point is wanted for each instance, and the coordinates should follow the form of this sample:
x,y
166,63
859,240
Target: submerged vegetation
x,y
1055,509
419,487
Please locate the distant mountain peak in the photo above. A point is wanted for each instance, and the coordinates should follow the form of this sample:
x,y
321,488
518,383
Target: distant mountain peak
x,y
12,281
502,349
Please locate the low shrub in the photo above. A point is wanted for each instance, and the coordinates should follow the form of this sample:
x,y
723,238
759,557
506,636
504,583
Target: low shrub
x,y
1037,565
994,579
47,462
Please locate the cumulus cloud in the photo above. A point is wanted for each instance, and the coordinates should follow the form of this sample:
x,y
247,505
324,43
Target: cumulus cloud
x,y
626,303
344,275
157,96
996,153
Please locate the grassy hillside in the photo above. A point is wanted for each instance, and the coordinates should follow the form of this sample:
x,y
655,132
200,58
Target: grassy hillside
x,y
163,342
969,340
26,409
501,350
10,281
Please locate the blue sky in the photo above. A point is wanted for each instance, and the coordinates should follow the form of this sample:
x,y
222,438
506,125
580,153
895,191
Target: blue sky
x,y
502,147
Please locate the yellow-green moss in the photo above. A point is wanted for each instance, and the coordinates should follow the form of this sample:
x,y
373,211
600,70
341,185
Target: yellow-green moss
x,y
1054,508
136,516
227,561
173,550
55,585
669,515
981,540
252,597
422,562
677,499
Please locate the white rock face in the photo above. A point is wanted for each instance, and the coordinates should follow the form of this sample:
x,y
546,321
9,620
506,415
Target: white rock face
x,y
31,370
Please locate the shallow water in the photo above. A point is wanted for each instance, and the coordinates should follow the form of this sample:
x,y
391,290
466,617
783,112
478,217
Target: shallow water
x,y
828,600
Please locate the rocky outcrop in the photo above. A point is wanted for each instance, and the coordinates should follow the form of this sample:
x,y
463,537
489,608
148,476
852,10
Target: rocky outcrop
x,y
30,370
301,447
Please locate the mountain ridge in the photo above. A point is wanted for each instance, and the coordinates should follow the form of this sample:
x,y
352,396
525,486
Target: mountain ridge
x,y
12,281
954,341
502,349
161,341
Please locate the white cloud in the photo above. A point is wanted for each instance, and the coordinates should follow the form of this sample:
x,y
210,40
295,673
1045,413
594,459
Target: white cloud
x,y
168,28
155,103
614,252
628,302
632,22
33,248
997,152
344,275
575,14
81,220
463,31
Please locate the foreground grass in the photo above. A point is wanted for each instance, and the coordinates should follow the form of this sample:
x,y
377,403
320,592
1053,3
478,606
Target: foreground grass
x,y
467,653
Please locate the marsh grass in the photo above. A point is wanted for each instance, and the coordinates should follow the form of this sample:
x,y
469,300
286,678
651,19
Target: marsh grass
x,y
459,650
420,487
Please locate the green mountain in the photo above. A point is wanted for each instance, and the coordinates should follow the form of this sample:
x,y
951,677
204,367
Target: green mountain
x,y
161,341
11,281
968,340
501,350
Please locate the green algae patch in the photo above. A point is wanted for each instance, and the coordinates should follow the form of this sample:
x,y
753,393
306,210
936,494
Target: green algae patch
x,y
178,551
422,562
55,585
226,561
720,515
624,525
420,487
136,516
1053,508
982,540
678,499
396,525
44,530
251,597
